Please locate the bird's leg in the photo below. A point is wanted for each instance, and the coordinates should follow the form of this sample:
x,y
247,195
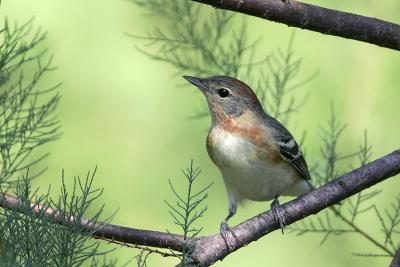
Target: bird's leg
x,y
224,228
277,211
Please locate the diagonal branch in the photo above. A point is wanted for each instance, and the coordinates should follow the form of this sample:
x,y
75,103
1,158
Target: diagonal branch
x,y
213,248
102,230
319,19
209,249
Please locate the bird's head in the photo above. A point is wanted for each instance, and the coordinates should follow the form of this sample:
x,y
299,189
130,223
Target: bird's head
x,y
227,97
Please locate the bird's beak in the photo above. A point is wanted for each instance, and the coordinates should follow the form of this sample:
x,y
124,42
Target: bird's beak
x,y
198,82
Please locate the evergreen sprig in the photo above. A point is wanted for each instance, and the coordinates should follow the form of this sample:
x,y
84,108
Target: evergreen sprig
x,y
29,236
198,42
343,219
203,42
186,208
27,119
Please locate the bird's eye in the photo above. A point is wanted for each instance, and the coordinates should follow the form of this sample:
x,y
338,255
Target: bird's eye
x,y
223,93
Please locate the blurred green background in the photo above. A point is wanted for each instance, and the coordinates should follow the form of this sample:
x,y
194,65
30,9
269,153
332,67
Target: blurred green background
x,y
129,115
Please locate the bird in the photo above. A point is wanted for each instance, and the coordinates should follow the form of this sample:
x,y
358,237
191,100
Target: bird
x,y
259,159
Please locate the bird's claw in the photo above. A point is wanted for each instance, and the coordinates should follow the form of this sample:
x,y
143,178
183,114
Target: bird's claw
x,y
224,230
278,214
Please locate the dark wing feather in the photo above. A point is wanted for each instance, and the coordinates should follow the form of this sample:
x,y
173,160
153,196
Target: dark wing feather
x,y
288,147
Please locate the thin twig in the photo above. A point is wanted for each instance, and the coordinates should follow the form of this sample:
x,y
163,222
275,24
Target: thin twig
x,y
151,250
361,232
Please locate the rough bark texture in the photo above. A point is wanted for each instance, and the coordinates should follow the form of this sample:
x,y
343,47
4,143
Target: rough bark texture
x,y
396,259
209,249
319,19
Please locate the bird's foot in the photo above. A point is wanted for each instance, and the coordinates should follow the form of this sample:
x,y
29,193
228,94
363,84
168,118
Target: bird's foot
x,y
278,214
224,231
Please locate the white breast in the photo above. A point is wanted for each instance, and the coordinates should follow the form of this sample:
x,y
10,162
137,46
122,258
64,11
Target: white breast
x,y
246,173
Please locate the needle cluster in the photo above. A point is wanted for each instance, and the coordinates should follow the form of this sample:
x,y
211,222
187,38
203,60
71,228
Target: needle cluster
x,y
28,235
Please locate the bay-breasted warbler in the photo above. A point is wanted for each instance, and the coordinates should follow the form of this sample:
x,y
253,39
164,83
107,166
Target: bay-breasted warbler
x,y
258,157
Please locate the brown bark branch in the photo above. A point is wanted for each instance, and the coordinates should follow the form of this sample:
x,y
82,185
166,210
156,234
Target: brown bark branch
x,y
319,19
102,230
209,249
396,259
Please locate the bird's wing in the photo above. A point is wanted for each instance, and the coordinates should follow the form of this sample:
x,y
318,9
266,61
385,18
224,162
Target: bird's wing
x,y
288,147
